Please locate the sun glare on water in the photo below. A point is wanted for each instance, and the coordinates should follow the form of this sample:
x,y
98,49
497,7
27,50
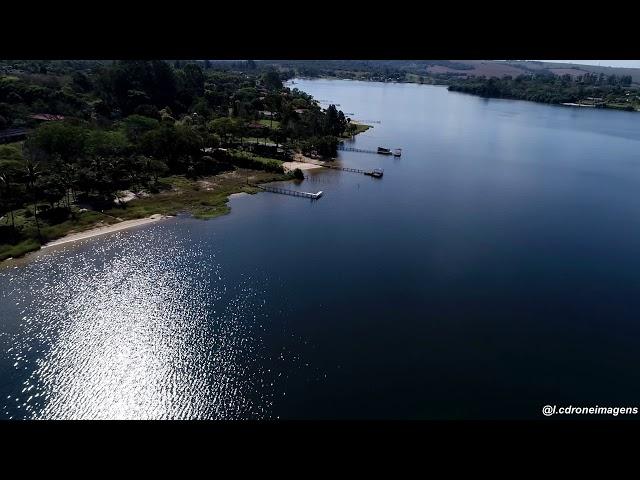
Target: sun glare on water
x,y
152,332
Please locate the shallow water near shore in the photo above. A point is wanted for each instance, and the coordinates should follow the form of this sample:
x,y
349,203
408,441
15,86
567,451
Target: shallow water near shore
x,y
495,268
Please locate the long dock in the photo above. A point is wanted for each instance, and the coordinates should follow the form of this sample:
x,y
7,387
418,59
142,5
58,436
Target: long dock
x,y
293,193
360,150
335,167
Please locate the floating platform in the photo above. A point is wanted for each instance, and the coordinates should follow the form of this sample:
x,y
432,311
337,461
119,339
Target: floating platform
x,y
376,172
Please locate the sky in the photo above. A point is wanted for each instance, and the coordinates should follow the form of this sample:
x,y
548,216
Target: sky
x,y
603,63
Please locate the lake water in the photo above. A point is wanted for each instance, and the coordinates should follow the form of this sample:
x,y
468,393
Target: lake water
x,y
494,269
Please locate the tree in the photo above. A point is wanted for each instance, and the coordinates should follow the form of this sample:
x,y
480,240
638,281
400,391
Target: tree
x,y
8,195
58,146
51,188
326,146
239,128
32,172
135,125
130,83
57,140
154,167
272,80
194,80
274,103
107,144
335,123
222,126
81,82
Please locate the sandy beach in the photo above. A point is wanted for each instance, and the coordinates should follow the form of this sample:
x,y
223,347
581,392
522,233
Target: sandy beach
x,y
94,232
301,162
238,194
290,166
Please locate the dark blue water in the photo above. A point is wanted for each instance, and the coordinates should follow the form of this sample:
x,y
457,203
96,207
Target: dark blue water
x,y
494,269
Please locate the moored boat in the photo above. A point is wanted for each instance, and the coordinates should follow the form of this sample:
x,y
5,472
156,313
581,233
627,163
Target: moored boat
x,y
376,172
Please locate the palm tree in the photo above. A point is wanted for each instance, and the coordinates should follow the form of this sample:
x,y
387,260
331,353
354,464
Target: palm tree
x,y
32,171
4,184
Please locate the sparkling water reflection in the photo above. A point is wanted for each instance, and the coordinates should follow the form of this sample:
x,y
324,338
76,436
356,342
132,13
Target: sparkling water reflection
x,y
133,328
493,270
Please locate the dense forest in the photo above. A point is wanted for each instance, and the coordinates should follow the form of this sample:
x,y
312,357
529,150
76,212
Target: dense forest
x,y
604,91
77,133
370,70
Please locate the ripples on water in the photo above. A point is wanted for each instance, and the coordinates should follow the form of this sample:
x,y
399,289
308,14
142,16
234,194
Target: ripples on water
x,y
133,328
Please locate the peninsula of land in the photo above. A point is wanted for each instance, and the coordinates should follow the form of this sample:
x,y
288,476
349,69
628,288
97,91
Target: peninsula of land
x,y
88,146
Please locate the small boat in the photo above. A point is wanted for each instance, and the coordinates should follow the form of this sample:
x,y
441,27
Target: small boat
x,y
376,172
384,151
397,152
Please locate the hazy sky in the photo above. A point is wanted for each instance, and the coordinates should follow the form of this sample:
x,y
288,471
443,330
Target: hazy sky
x,y
603,63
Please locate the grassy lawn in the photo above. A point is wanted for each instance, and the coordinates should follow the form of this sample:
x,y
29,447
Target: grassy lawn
x,y
27,239
252,140
268,123
19,249
206,197
360,127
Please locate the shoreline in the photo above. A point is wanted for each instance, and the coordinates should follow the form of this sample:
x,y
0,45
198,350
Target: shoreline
x,y
301,162
83,235
103,230
447,84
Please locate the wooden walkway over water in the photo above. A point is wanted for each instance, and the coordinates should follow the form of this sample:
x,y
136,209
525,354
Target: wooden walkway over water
x,y
285,191
335,167
352,149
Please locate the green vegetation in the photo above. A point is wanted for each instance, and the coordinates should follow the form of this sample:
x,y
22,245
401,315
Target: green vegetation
x,y
413,71
205,197
174,132
537,82
598,90
298,174
249,160
273,124
354,129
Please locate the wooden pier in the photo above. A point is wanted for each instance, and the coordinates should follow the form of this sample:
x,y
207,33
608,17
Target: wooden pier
x,y
359,150
344,169
293,193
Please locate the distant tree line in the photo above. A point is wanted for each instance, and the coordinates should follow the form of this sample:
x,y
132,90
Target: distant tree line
x,y
549,88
